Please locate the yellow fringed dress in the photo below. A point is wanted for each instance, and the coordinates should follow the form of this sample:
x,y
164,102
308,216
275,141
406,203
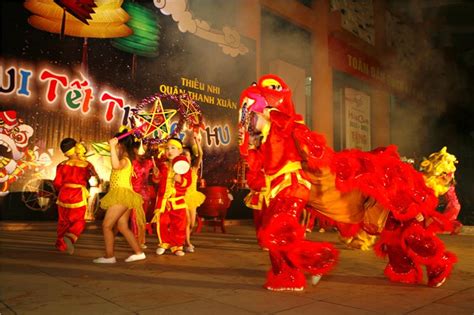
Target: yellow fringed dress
x,y
121,192
193,197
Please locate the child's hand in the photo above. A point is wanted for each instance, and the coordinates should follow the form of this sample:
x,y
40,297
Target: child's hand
x,y
156,171
177,178
113,142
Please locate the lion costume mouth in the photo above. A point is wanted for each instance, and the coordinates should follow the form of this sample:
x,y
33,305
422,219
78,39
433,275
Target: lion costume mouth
x,y
5,150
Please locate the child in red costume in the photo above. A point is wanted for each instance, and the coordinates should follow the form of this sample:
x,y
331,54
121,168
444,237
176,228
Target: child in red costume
x,y
170,208
71,181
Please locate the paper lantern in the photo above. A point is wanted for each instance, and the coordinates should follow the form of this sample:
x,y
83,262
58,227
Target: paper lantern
x,y
107,21
68,17
146,32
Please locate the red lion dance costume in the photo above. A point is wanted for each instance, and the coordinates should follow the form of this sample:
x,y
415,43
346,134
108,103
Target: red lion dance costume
x,y
375,193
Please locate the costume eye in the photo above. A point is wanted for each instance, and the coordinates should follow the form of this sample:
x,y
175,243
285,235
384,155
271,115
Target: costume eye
x,y
20,138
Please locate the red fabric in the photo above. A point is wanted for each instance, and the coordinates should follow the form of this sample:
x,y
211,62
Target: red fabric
x,y
283,235
441,269
172,227
141,185
314,257
453,207
71,219
180,188
278,149
422,245
172,222
255,175
379,174
282,232
70,174
282,275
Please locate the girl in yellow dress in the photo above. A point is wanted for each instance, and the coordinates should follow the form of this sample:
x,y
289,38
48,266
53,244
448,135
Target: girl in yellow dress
x,y
193,197
119,202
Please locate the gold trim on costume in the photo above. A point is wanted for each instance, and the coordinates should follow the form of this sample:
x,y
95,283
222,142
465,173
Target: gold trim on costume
x,y
85,196
287,170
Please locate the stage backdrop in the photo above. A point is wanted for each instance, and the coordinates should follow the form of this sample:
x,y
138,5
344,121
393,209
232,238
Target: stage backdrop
x,y
53,88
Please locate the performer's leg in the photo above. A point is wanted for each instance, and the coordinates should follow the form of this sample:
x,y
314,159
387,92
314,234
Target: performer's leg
x,y
112,215
283,275
177,229
77,223
162,229
440,270
188,228
192,218
133,223
63,225
122,226
281,231
401,268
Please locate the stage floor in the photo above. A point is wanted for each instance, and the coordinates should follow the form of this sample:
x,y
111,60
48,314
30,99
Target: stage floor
x,y
224,276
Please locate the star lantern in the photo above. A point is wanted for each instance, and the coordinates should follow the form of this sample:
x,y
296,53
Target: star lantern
x,y
154,126
80,18
192,113
146,33
157,123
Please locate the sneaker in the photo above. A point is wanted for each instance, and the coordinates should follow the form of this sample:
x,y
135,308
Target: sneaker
x,y
160,251
315,279
179,253
104,260
69,245
189,249
135,257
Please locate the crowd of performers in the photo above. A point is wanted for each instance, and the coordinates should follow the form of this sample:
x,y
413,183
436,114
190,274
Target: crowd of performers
x,y
373,199
168,205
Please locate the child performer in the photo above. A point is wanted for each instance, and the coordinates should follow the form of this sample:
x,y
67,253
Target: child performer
x,y
170,208
119,201
193,197
142,166
70,181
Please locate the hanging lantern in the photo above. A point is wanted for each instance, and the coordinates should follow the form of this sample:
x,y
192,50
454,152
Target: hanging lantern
x,y
107,20
146,32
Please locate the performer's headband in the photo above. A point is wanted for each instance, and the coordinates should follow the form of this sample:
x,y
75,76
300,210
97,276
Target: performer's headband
x,y
175,143
70,152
